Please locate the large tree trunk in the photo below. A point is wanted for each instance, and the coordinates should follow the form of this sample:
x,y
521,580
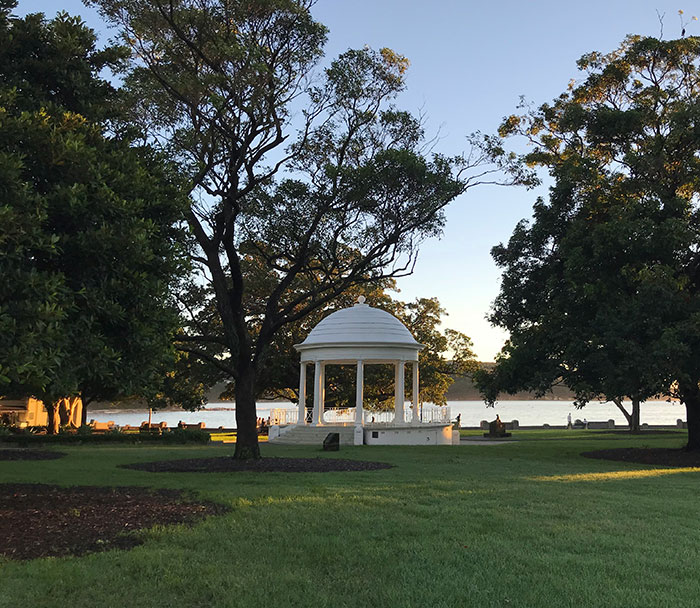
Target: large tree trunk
x,y
64,412
87,399
84,411
629,416
689,393
247,446
634,417
692,408
68,411
75,420
54,417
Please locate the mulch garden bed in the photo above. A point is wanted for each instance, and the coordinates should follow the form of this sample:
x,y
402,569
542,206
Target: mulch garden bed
x,y
22,454
226,464
659,456
39,520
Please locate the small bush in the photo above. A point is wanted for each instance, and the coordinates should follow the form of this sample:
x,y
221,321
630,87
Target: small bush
x,y
179,435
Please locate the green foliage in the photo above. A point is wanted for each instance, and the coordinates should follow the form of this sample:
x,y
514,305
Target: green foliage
x,y
318,172
446,354
184,384
56,63
32,310
179,435
90,240
599,290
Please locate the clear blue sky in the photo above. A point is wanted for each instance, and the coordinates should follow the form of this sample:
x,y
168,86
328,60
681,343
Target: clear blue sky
x,y
470,62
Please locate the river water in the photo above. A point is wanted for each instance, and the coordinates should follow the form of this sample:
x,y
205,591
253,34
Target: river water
x,y
527,413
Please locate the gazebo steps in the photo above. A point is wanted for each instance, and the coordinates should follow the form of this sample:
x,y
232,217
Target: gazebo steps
x,y
313,435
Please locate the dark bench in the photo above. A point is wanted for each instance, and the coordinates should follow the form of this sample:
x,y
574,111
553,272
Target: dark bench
x,y
497,429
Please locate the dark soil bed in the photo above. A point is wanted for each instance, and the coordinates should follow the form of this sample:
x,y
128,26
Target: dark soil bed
x,y
39,520
21,454
226,464
659,456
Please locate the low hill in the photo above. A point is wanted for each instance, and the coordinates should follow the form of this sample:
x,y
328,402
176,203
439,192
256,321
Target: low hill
x,y
463,389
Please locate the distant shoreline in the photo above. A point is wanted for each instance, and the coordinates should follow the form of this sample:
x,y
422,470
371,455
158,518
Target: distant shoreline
x,y
472,413
131,407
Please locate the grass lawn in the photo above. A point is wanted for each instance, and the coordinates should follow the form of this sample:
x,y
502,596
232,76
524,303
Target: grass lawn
x,y
491,525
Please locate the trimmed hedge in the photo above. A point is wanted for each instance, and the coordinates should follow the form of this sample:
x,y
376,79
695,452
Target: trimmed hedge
x,y
168,436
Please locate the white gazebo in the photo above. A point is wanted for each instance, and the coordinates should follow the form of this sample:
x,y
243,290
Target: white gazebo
x,y
359,335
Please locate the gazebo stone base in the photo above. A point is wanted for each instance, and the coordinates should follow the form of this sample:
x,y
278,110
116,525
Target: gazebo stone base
x,y
422,434
384,434
306,434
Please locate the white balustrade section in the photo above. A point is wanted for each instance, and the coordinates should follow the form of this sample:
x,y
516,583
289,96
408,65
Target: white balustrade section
x,y
378,417
282,416
429,414
339,416
434,414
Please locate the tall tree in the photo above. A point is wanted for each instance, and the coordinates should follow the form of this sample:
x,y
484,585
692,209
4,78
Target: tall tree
x,y
447,354
303,166
600,290
91,244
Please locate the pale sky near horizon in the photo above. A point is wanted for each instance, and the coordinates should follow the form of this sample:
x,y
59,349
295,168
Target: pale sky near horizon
x,y
470,63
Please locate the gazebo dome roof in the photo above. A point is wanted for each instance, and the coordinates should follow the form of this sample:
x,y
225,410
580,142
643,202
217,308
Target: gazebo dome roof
x,y
360,325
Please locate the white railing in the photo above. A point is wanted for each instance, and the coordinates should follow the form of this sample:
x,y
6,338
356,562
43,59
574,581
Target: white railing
x,y
339,416
429,414
432,414
379,417
282,416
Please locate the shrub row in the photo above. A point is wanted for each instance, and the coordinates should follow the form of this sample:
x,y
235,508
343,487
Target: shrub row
x,y
26,438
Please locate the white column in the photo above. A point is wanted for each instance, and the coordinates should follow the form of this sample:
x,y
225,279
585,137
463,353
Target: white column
x,y
322,394
359,392
398,392
301,418
416,394
317,393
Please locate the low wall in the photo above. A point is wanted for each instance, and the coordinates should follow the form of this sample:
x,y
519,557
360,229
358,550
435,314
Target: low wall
x,y
599,424
510,426
423,434
559,427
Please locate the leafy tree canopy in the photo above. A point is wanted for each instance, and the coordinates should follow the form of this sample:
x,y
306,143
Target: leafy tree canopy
x,y
446,354
596,290
317,170
90,244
